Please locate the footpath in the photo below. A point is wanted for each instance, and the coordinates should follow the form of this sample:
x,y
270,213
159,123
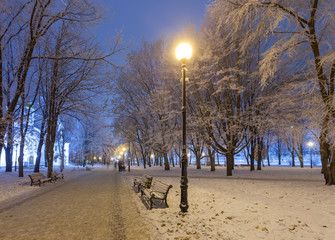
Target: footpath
x,y
96,205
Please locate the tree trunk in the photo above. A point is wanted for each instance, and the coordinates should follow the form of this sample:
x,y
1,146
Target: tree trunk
x,y
149,161
267,152
9,147
166,162
290,148
21,158
324,146
230,161
329,174
301,155
22,133
301,160
40,145
50,139
279,150
62,152
198,159
144,157
211,159
9,157
259,153
136,157
252,154
172,159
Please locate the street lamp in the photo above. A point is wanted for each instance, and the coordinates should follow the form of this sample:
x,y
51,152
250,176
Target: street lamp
x,y
310,144
183,53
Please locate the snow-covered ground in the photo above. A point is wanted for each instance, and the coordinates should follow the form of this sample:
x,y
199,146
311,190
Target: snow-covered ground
x,y
12,187
274,203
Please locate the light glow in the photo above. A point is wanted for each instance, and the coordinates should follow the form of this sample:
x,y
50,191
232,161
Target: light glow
x,y
183,51
310,144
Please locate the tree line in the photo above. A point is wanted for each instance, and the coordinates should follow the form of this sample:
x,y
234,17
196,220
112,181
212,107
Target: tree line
x,y
262,73
51,68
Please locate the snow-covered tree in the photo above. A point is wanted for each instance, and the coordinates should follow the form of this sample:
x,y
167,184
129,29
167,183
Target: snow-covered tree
x,y
298,36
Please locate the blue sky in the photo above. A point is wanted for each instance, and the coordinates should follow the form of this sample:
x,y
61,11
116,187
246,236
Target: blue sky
x,y
148,19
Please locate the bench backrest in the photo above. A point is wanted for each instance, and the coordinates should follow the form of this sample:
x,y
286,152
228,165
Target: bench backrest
x,y
159,186
36,176
147,181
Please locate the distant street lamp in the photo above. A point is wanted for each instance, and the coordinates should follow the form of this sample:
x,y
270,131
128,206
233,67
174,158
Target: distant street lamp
x,y
310,144
183,53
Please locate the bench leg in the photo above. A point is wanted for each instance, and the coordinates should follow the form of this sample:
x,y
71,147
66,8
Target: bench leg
x,y
136,188
150,207
166,202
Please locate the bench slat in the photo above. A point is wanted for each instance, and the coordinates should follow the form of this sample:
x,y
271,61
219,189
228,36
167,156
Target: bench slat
x,y
158,190
142,182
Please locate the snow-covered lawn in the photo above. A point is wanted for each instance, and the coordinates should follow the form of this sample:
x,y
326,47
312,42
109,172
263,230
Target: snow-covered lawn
x,y
274,203
12,187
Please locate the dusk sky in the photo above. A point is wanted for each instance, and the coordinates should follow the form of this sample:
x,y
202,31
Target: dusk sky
x,y
149,19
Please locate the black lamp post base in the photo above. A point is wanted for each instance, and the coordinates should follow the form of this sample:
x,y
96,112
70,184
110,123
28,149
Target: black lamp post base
x,y
181,213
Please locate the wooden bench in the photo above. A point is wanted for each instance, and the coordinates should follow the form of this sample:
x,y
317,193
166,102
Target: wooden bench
x,y
157,191
38,178
144,181
55,176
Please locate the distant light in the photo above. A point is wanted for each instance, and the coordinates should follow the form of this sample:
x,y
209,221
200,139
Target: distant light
x,y
123,149
183,51
310,144
152,156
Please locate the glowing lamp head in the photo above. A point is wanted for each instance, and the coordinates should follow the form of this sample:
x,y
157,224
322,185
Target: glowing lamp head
x,y
184,51
310,144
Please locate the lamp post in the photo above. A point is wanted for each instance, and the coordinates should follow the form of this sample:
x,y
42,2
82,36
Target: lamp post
x,y
183,53
310,144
